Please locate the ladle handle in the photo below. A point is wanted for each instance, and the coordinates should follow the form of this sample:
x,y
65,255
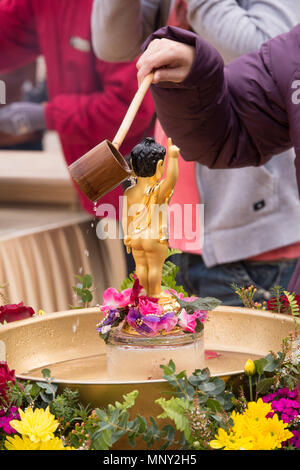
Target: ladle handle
x,y
132,111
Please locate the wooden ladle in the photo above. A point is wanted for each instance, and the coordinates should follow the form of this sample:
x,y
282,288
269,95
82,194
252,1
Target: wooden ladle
x,y
103,168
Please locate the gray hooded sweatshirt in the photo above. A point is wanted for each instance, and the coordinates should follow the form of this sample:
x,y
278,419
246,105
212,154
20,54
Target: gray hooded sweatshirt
x,y
248,211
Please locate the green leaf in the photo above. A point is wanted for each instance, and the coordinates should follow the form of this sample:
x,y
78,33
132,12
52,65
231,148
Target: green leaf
x,y
87,281
206,303
260,364
169,432
219,384
176,409
207,387
129,400
45,398
173,251
272,363
101,414
263,386
28,388
128,282
43,385
169,369
46,373
142,423
102,440
214,405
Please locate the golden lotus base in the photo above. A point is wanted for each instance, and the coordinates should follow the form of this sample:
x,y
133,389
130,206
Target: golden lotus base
x,y
68,344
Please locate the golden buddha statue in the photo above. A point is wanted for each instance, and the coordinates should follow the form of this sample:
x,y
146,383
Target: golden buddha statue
x,y
145,216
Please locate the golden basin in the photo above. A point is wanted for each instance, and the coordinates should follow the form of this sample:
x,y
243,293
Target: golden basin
x,y
68,344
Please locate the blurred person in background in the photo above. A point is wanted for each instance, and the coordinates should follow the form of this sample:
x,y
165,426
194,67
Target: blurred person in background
x,y
248,237
254,100
20,85
87,98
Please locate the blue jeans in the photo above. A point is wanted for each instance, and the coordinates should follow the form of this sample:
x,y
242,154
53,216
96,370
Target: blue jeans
x,y
217,281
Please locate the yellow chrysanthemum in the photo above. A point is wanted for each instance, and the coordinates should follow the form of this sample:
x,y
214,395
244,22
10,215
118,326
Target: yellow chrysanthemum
x,y
230,441
277,430
39,425
24,443
257,410
252,430
54,444
20,443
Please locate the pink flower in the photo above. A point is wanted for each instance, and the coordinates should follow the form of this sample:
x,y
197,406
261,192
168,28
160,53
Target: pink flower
x,y
114,299
189,322
168,322
148,306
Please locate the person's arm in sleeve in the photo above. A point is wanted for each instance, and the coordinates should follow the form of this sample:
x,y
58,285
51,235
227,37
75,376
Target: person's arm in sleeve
x,y
120,27
91,118
18,38
222,119
235,30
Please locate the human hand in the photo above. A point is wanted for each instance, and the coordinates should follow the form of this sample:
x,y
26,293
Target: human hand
x,y
171,61
22,118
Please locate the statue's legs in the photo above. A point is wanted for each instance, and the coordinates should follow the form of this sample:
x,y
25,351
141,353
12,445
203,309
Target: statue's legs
x,y
155,254
141,266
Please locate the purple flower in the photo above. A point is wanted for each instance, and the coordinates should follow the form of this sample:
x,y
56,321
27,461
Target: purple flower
x,y
111,317
5,420
285,403
136,320
150,325
295,441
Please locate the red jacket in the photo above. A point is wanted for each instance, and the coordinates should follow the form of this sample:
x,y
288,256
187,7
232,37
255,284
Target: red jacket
x,y
88,98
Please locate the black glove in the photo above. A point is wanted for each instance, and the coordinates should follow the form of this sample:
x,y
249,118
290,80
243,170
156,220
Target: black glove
x,y
22,118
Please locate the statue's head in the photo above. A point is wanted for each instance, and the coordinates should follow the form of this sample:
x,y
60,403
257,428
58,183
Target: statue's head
x,y
147,158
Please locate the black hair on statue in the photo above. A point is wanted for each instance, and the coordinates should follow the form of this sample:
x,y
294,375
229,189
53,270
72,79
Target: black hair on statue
x,y
145,156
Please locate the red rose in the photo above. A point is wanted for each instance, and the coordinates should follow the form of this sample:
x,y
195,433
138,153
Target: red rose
x,y
15,312
6,375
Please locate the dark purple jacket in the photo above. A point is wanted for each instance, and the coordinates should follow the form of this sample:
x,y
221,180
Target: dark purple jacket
x,y
234,116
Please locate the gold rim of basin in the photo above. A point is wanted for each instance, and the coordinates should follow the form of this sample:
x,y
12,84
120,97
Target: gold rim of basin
x,y
226,327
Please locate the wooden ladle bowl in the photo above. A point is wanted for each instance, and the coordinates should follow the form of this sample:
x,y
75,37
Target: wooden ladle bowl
x,y
103,168
100,170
